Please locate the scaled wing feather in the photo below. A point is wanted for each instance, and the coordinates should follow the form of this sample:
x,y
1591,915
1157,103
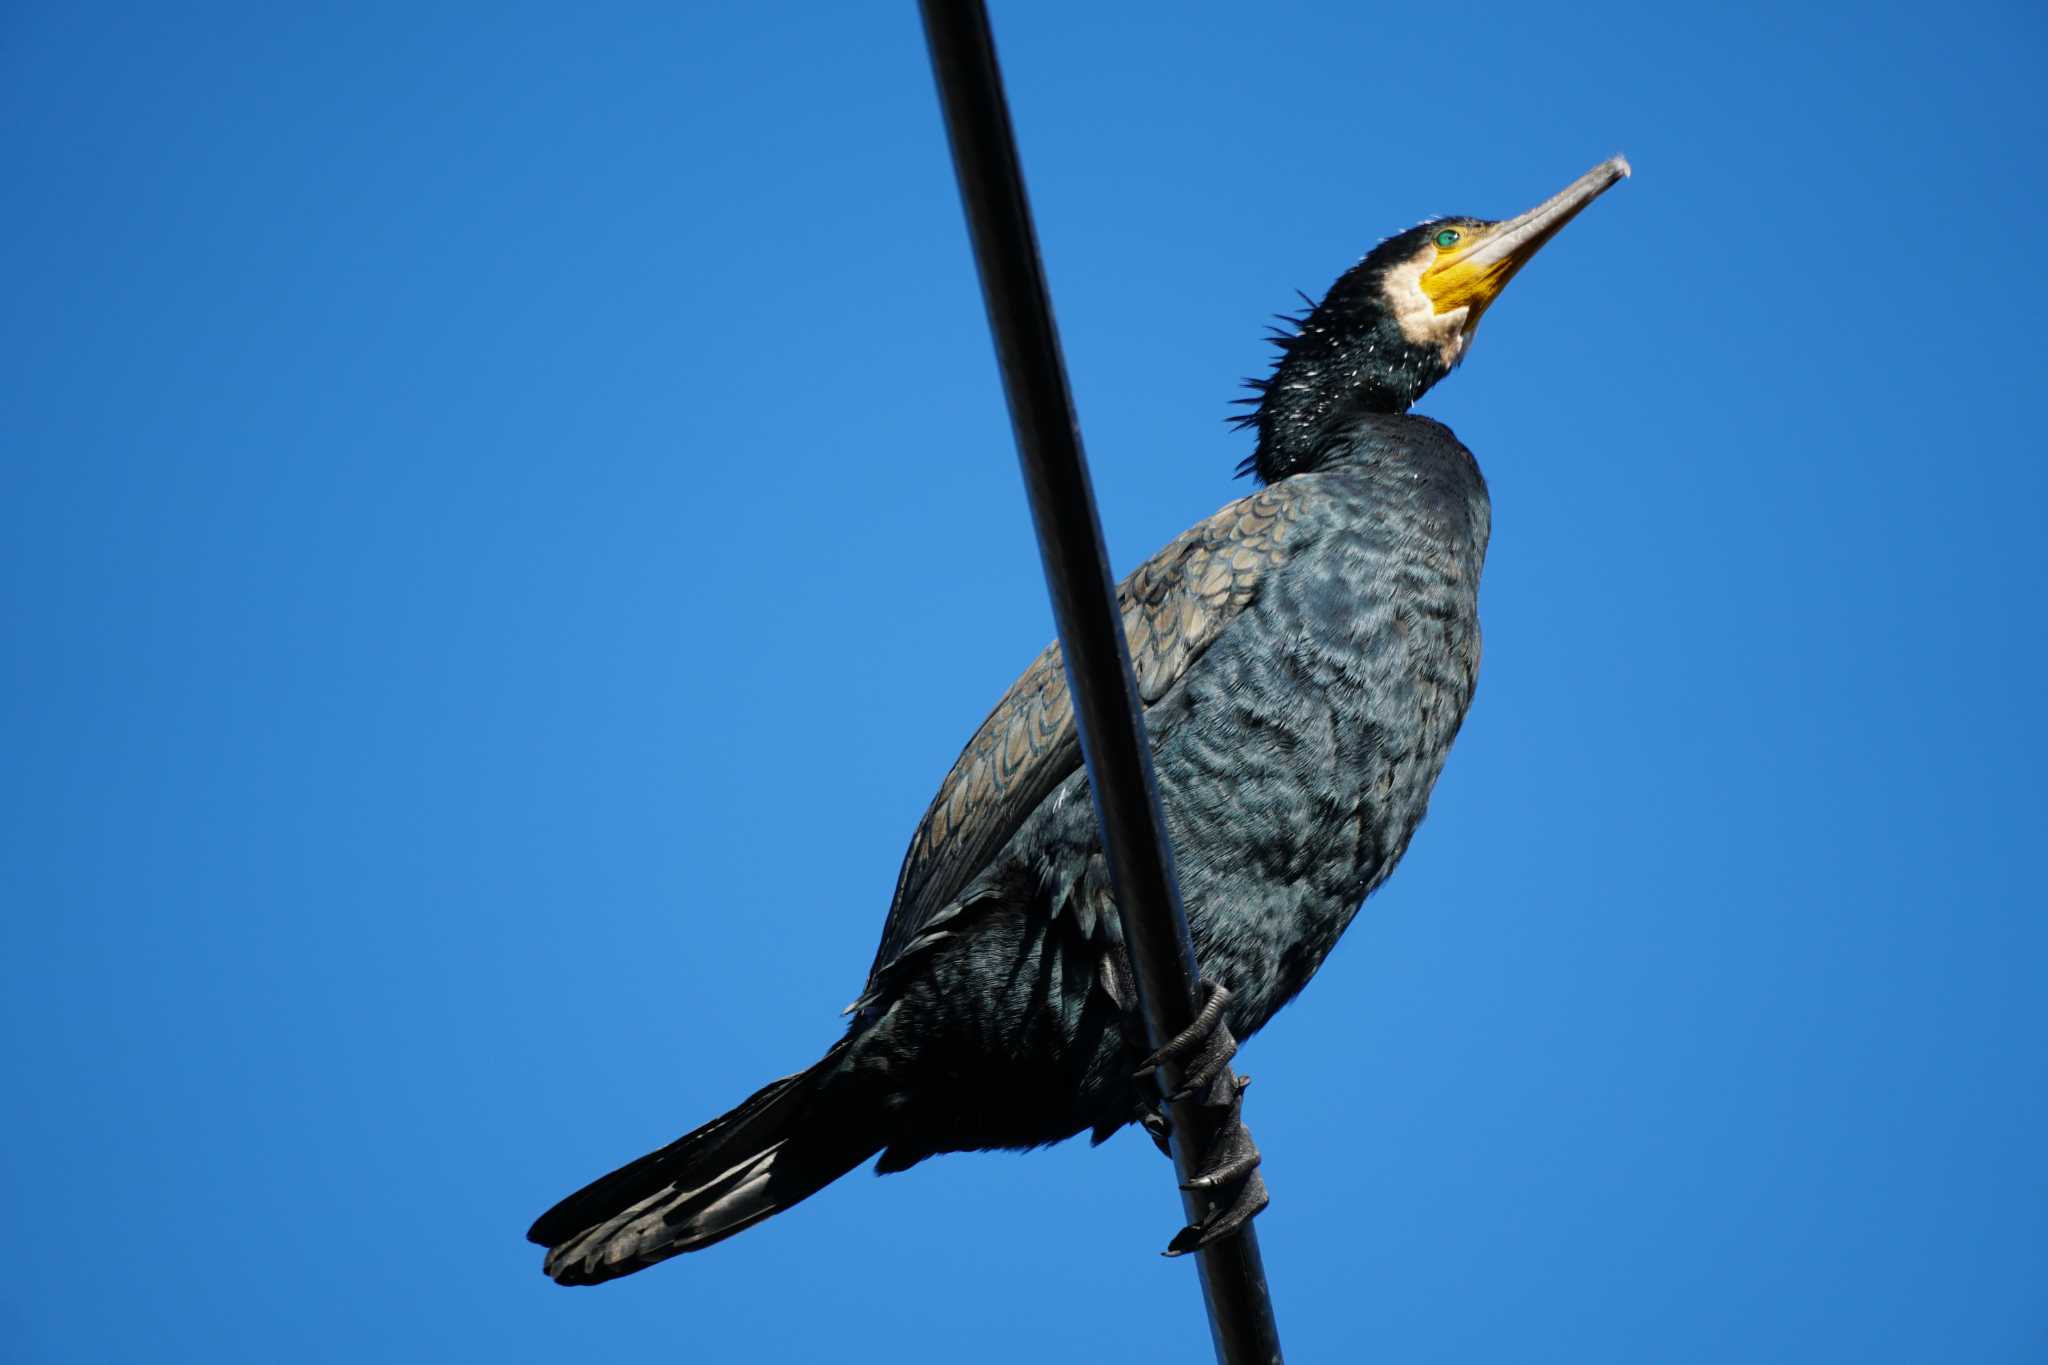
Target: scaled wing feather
x,y
1174,607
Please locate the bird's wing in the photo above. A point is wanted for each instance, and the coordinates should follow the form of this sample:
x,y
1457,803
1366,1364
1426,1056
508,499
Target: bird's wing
x,y
1174,607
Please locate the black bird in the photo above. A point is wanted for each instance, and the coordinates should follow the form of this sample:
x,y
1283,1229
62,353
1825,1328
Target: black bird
x,y
1305,657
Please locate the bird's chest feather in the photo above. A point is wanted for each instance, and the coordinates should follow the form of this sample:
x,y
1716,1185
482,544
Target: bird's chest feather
x,y
1300,758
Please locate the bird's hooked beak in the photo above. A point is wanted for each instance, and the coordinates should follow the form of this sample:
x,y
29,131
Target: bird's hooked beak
x,y
1472,270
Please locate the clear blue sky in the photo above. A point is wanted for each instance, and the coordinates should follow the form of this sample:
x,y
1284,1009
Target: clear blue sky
x,y
508,513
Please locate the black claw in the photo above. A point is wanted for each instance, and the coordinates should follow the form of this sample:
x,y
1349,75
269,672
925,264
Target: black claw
x,y
1233,1167
1229,1166
1157,1127
1201,1037
1204,1070
1250,1202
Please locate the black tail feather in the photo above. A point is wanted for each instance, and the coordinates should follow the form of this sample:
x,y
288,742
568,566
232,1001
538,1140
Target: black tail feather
x,y
784,1143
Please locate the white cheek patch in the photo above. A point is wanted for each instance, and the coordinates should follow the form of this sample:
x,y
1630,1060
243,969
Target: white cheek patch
x,y
1417,316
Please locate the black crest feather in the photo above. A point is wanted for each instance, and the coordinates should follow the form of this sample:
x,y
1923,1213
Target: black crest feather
x,y
1342,355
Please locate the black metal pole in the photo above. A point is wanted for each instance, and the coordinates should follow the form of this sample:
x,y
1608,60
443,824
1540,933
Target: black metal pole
x,y
1111,723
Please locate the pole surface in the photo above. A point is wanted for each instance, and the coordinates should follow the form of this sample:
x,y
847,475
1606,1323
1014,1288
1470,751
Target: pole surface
x,y
1106,708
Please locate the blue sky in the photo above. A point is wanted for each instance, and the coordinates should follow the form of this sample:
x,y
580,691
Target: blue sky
x,y
508,513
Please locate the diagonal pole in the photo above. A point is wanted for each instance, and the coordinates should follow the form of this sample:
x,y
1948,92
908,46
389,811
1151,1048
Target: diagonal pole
x,y
1106,709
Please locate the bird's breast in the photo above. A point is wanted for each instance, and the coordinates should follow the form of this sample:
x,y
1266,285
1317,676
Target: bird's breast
x,y
1304,753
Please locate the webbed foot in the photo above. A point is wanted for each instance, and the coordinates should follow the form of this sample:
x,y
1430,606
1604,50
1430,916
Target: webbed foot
x,y
1229,1166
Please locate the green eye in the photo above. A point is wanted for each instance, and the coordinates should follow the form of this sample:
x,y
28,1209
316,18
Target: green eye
x,y
1448,237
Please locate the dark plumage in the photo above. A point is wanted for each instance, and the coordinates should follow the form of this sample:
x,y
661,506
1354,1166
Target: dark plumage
x,y
1305,656
1346,354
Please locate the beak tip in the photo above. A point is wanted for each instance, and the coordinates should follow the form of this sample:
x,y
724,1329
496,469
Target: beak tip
x,y
1619,165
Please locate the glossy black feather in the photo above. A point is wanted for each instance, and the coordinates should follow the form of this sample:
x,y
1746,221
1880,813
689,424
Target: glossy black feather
x,y
1306,658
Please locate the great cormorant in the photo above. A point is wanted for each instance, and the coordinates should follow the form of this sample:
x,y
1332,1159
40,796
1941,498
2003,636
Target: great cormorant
x,y
1305,657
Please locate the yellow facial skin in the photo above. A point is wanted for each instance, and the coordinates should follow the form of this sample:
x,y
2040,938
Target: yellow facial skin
x,y
1471,271
1462,276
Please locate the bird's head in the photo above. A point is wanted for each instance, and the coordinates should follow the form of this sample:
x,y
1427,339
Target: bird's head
x,y
1397,322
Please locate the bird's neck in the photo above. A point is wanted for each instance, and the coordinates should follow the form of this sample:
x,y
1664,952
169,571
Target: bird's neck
x,y
1302,432
1328,377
